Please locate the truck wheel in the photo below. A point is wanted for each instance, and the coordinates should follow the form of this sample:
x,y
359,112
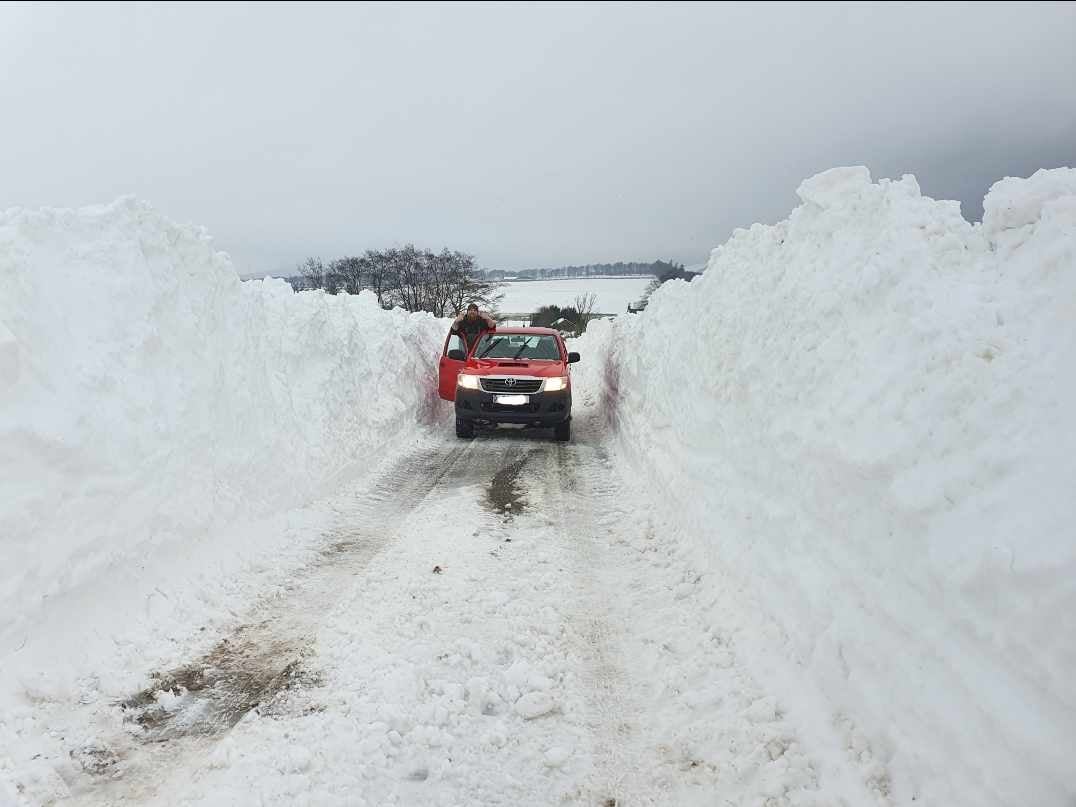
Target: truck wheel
x,y
562,432
464,429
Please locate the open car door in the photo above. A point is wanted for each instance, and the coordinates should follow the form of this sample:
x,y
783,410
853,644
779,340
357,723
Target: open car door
x,y
452,360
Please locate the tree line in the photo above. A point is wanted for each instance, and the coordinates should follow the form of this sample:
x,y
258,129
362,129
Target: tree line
x,y
445,283
655,268
407,277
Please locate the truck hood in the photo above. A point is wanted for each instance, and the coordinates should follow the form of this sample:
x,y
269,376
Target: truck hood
x,y
538,369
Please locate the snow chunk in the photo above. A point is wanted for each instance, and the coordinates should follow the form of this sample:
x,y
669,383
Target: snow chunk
x,y
830,187
763,710
1012,203
168,700
535,704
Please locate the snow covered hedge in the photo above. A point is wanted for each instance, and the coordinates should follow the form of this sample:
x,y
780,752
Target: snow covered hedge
x,y
862,423
148,396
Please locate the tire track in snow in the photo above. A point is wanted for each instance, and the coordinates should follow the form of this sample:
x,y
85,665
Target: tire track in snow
x,y
432,676
561,582
618,776
184,711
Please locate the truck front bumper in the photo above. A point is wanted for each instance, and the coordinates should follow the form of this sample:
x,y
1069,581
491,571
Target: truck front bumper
x,y
542,409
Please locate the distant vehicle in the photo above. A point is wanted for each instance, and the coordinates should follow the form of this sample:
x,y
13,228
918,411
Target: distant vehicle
x,y
514,375
635,308
565,327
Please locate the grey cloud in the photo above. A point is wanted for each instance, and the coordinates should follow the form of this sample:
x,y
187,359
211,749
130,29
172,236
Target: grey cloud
x,y
527,134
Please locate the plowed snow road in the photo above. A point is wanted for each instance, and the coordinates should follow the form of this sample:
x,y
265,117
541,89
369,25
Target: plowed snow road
x,y
490,622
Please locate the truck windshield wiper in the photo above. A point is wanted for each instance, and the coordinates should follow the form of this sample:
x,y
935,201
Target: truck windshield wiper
x,y
489,347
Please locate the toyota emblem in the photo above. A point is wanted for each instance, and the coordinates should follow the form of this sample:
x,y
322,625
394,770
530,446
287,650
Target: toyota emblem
x,y
509,382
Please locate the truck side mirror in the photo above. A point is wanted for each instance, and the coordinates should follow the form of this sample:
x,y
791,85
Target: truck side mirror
x,y
573,357
457,355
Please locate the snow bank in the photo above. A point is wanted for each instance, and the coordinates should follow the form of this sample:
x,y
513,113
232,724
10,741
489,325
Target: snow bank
x,y
861,422
147,396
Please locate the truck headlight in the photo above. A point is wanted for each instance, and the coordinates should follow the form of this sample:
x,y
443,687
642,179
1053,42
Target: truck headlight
x,y
556,384
467,381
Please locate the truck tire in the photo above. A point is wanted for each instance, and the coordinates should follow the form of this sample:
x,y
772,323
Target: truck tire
x,y
464,429
562,432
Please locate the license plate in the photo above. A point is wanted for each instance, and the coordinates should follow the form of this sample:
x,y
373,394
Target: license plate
x,y
513,400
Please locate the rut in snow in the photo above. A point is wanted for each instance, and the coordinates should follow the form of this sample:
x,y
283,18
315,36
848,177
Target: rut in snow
x,y
262,663
269,654
586,499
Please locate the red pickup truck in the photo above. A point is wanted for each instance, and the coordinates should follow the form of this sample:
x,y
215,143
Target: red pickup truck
x,y
513,375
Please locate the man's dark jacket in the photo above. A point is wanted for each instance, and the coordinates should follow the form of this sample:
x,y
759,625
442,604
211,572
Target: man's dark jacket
x,y
470,330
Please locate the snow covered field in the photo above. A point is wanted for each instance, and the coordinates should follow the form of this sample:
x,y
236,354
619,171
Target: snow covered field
x,y
814,551
613,293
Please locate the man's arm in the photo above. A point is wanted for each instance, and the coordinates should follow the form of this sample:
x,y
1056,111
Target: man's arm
x,y
490,321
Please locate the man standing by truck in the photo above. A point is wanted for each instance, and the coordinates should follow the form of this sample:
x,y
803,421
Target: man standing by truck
x,y
471,325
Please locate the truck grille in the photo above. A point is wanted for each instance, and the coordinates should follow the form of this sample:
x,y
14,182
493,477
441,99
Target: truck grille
x,y
522,386
531,408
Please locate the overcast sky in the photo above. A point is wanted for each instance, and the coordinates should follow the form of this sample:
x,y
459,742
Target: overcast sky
x,y
529,135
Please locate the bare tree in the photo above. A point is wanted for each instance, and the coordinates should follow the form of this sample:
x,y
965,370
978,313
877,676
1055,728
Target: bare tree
x,y
408,277
378,277
350,274
312,270
332,282
585,305
466,286
444,276
485,294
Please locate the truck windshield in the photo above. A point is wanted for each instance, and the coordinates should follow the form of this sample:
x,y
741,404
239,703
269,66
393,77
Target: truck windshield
x,y
517,346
